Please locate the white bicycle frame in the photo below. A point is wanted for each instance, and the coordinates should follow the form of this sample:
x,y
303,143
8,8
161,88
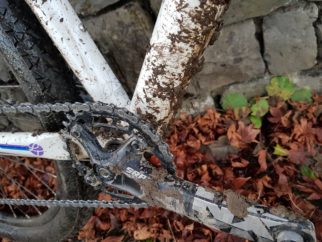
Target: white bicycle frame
x,y
178,41
183,30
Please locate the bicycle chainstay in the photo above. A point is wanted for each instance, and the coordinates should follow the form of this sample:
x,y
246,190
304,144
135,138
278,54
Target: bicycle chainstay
x,y
77,108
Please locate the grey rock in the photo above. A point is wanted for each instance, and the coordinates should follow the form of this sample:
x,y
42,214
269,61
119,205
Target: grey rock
x,y
12,94
244,9
123,36
193,88
240,10
253,88
289,38
4,123
197,104
318,30
88,7
234,57
4,71
311,78
25,122
17,122
155,5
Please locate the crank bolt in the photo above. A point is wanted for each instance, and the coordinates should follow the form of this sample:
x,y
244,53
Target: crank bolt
x,y
92,180
138,146
106,174
76,134
289,236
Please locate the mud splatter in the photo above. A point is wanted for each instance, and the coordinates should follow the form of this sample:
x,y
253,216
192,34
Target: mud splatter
x,y
236,204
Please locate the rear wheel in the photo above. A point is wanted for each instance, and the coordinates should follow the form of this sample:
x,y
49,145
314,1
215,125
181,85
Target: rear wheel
x,y
36,74
27,223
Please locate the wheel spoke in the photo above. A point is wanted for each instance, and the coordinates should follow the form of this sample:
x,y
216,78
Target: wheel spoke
x,y
21,188
29,168
5,196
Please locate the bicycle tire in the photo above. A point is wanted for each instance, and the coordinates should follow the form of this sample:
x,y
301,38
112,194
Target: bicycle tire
x,y
43,77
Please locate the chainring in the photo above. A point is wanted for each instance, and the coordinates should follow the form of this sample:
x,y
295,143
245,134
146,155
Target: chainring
x,y
111,130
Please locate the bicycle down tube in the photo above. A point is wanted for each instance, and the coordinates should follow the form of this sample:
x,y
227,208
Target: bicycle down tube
x,y
183,30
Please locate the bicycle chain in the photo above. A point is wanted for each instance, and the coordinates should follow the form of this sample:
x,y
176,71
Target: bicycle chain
x,y
72,203
112,110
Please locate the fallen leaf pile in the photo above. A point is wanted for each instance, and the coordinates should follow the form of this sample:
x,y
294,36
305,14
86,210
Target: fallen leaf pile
x,y
268,149
278,164
26,178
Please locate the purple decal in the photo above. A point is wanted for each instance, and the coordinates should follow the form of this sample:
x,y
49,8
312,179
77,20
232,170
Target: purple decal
x,y
33,148
36,149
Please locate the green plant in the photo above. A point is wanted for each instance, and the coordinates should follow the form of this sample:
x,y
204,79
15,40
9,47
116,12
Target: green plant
x,y
280,151
281,86
258,110
233,101
302,95
307,171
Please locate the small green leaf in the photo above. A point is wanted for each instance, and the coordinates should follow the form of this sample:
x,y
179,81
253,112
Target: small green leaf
x,y
280,151
233,101
260,108
307,171
149,240
281,86
302,95
256,121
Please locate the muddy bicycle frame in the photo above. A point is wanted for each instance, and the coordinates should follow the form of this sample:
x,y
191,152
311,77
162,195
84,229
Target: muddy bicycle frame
x,y
183,30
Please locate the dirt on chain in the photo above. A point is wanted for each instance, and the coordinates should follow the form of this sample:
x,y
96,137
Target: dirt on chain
x,y
278,165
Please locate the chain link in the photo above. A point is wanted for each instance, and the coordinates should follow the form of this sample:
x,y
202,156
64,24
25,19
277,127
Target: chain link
x,y
73,203
110,109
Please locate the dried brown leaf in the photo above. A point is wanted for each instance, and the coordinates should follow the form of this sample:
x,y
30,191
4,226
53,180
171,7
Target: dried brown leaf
x,y
114,238
262,160
242,136
142,233
239,182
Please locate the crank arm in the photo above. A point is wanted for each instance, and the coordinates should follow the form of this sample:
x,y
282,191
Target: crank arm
x,y
127,169
208,207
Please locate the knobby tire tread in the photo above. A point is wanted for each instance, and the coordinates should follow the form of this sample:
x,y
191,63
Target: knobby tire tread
x,y
49,81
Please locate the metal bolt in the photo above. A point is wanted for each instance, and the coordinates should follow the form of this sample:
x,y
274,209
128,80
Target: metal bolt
x,y
289,236
106,174
76,134
137,145
92,180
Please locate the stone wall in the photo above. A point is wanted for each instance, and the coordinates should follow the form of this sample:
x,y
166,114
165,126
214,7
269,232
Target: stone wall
x,y
259,39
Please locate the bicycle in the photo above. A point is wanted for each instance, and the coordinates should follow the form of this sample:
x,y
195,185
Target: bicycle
x,y
108,145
